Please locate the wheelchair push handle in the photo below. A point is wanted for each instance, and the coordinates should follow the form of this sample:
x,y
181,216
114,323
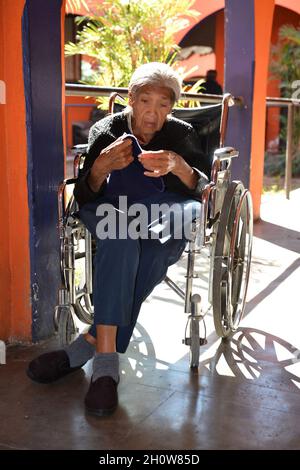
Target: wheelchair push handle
x,y
112,100
228,100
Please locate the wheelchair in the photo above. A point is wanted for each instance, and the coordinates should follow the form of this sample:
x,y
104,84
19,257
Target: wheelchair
x,y
224,228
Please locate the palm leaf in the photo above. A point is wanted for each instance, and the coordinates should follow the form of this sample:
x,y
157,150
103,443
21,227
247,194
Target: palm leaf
x,y
74,6
290,33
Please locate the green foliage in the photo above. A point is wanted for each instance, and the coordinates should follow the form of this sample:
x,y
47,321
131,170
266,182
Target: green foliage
x,y
73,5
128,33
285,63
195,88
275,165
285,66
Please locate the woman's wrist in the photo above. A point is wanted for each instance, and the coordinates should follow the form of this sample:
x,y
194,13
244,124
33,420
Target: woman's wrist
x,y
96,179
185,173
182,169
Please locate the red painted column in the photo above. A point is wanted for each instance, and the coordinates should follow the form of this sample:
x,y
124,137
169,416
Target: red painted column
x,y
15,306
263,28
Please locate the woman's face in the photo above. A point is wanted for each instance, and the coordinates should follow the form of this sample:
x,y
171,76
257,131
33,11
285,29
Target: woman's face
x,y
150,105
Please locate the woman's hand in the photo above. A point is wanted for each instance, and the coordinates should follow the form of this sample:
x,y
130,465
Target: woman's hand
x,y
162,162
116,156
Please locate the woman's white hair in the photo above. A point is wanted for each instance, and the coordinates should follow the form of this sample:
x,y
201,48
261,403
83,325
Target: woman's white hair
x,y
156,74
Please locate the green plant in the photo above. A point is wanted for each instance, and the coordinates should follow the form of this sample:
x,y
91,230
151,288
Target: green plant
x,y
285,55
73,5
285,66
274,165
128,33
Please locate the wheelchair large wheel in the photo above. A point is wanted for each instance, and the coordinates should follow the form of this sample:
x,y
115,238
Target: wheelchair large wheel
x,y
83,305
232,258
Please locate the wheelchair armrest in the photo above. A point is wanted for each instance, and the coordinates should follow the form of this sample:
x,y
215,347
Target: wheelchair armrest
x,y
79,158
61,201
68,181
225,153
82,148
204,199
206,191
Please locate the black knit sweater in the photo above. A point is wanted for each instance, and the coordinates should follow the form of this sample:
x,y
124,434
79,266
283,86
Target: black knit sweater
x,y
175,135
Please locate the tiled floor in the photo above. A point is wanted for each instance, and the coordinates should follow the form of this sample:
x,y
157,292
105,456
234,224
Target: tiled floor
x,y
245,396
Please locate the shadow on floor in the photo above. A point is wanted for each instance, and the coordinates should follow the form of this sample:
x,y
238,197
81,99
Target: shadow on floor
x,y
162,405
278,235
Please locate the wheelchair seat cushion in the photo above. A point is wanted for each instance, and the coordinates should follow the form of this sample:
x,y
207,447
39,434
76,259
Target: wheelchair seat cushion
x,y
131,181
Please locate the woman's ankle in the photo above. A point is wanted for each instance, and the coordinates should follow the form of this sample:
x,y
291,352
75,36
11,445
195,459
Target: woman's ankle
x,y
90,339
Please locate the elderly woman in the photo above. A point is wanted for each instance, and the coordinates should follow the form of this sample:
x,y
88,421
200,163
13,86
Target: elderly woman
x,y
127,268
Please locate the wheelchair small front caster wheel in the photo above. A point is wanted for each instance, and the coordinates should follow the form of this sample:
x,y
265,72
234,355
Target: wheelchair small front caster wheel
x,y
67,330
194,332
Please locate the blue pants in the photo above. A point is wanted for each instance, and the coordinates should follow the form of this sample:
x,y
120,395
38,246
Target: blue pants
x,y
126,270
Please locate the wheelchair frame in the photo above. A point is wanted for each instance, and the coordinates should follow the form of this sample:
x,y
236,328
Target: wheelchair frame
x,y
225,226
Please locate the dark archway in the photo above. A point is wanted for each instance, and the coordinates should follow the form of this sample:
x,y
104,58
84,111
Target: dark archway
x,y
202,34
239,63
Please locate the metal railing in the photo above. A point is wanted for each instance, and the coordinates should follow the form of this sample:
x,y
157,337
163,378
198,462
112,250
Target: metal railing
x,y
73,89
290,104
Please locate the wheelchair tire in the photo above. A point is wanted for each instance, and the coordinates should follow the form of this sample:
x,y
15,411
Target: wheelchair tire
x,y
82,308
195,332
232,259
195,344
67,330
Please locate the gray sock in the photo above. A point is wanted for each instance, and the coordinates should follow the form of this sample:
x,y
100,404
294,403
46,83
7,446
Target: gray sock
x,y
106,364
80,351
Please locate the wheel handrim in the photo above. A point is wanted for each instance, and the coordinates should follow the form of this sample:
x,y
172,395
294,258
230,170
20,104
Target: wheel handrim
x,y
232,259
239,260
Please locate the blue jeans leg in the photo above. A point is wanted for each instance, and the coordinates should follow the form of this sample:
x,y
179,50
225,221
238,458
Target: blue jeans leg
x,y
153,265
127,270
116,265
156,256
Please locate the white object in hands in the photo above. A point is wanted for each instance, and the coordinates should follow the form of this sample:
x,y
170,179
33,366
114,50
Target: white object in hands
x,y
2,352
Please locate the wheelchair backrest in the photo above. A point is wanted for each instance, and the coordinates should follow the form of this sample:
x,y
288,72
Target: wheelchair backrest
x,y
206,122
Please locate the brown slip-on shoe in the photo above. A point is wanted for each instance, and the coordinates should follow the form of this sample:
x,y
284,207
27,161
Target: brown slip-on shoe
x,y
49,367
102,396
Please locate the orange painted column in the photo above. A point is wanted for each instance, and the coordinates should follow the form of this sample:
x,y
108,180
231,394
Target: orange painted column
x,y
219,46
281,16
263,27
15,307
4,239
63,75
